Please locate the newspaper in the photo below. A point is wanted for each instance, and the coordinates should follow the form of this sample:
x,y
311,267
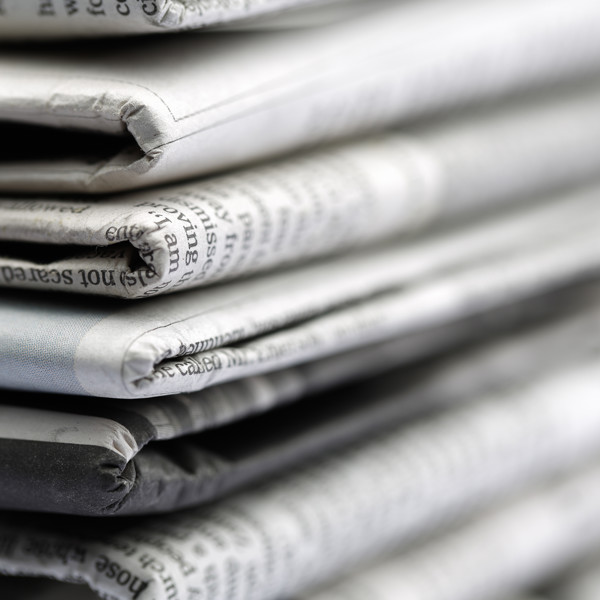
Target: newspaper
x,y
194,234
279,539
78,440
582,583
194,339
175,107
182,414
506,558
506,551
22,19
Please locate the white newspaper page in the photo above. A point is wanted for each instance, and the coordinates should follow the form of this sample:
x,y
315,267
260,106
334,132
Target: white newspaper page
x,y
115,116
279,539
30,19
189,235
509,550
194,339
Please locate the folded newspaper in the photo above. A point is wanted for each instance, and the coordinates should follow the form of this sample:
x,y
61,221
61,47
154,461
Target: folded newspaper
x,y
300,530
511,549
101,458
98,117
508,549
22,19
194,339
175,237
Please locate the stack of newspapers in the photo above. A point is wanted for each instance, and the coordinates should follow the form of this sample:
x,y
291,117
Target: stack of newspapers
x,y
300,300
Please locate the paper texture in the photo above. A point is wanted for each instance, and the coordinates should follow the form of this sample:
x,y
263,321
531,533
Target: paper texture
x,y
503,552
182,236
195,339
583,583
284,536
189,105
79,439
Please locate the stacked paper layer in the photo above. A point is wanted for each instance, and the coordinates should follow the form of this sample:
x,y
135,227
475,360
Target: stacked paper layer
x,y
303,306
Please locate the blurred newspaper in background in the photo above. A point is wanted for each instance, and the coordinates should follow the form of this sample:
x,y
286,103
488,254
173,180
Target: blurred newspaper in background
x,y
309,526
